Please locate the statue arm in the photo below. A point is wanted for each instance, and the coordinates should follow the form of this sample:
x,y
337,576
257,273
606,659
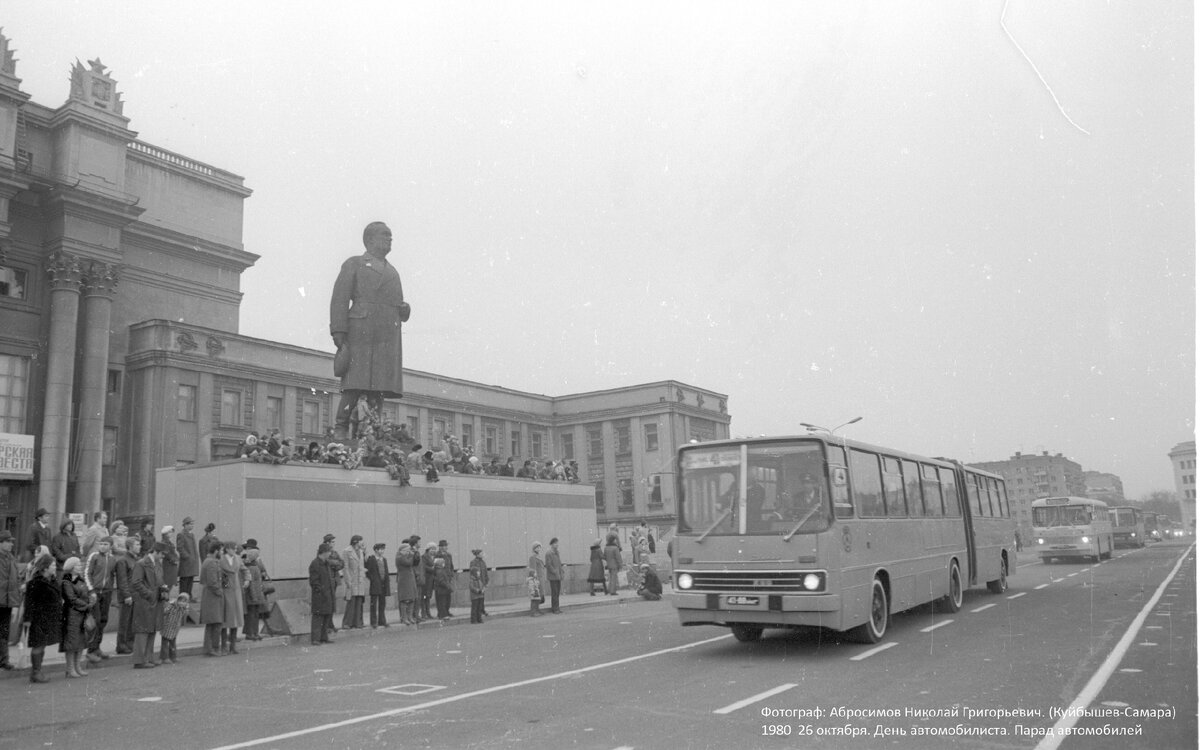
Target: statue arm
x,y
339,301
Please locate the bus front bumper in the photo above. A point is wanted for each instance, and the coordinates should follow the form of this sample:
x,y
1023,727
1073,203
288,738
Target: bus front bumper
x,y
781,609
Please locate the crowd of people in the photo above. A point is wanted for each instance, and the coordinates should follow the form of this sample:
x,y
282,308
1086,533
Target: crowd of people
x,y
69,584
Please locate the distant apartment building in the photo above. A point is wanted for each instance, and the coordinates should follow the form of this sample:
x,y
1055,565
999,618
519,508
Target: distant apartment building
x,y
1031,476
1183,465
1106,487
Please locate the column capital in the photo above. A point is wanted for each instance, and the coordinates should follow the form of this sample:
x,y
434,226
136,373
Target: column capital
x,y
100,278
64,270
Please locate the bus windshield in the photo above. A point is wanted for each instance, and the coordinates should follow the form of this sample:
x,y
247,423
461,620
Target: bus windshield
x,y
1062,515
777,488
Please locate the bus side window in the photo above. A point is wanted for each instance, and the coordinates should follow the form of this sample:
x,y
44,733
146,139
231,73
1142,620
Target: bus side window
x,y
973,481
933,491
1002,491
839,481
893,488
912,488
950,491
993,497
866,484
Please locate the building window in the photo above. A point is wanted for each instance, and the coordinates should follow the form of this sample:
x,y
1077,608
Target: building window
x,y
12,283
537,451
489,440
626,488
600,498
413,425
515,443
231,407
468,436
568,446
621,432
14,390
110,446
595,438
438,438
651,435
185,403
274,413
656,492
391,412
114,381
310,417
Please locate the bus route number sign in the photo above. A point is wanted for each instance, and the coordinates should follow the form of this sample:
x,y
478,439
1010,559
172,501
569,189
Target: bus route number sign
x,y
742,600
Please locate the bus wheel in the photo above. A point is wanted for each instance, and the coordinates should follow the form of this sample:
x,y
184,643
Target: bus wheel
x,y
1000,585
952,601
746,633
874,629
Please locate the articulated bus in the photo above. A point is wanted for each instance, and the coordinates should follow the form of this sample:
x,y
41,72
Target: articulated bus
x,y
1127,528
820,531
1071,527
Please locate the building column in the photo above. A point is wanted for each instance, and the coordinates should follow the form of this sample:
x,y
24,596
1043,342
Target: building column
x,y
65,274
99,285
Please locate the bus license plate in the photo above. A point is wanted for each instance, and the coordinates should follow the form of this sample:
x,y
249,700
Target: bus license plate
x,y
743,600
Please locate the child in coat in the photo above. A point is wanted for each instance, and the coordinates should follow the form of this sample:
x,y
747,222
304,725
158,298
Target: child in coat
x,y
172,620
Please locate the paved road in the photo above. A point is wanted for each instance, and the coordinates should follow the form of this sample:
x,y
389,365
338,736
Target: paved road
x,y
627,676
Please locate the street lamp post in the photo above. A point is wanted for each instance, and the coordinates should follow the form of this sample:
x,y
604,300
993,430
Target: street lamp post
x,y
816,427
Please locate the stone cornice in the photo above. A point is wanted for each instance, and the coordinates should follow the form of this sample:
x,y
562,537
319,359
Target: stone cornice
x,y
112,210
180,285
181,245
78,113
181,165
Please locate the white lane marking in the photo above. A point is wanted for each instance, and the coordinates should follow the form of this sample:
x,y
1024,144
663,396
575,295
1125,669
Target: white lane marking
x,y
935,627
412,688
276,739
876,650
1018,596
149,700
1147,643
980,609
1052,740
1072,575
1039,588
1154,627
756,698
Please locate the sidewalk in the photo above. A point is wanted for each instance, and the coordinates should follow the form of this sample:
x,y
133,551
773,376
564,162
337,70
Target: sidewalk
x,y
191,638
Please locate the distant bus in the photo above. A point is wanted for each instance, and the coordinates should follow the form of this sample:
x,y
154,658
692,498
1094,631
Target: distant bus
x,y
1127,528
1071,527
820,531
1150,524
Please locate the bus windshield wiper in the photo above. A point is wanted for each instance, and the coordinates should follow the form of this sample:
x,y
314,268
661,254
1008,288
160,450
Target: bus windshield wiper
x,y
716,523
788,536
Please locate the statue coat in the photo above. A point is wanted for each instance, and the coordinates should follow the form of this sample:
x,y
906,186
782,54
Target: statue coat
x,y
368,306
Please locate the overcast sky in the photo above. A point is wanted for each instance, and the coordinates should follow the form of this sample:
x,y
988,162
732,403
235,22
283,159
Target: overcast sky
x,y
980,244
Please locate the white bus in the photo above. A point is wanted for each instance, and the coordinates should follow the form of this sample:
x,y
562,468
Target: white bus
x,y
1069,527
830,532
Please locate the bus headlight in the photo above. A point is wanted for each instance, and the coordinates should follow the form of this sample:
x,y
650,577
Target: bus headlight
x,y
1085,540
684,580
812,582
1041,541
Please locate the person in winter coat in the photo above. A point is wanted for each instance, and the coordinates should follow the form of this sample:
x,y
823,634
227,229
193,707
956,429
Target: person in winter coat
x,y
612,561
100,575
124,575
43,611
554,574
407,563
427,567
320,584
212,600
355,572
479,581
190,556
77,602
538,567
207,540
65,544
174,614
256,600
443,587
379,585
39,534
10,592
234,581
596,569
414,541
149,593
170,561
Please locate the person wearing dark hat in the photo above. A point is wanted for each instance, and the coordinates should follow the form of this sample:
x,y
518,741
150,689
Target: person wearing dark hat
x,y
320,584
10,592
335,569
355,560
209,537
379,583
651,588
479,581
212,600
554,574
39,534
418,569
251,543
189,557
428,556
149,593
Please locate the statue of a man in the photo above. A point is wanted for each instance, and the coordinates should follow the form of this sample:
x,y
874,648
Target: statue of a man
x,y
365,317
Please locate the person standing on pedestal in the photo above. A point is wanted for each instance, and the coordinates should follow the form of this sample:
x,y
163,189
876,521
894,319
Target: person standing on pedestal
x,y
366,311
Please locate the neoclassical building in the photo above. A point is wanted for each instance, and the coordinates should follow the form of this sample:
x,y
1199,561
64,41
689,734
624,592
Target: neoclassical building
x,y
120,271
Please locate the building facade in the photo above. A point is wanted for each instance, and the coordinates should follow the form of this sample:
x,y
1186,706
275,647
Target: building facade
x,y
1183,466
1106,487
1032,476
104,238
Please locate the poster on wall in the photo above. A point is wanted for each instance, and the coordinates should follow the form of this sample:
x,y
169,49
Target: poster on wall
x,y
16,456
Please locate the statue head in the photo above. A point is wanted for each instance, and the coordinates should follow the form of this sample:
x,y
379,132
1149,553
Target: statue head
x,y
377,238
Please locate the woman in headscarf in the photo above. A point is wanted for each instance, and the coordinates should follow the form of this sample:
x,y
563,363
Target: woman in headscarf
x,y
65,544
234,581
76,604
43,610
537,566
256,600
596,569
